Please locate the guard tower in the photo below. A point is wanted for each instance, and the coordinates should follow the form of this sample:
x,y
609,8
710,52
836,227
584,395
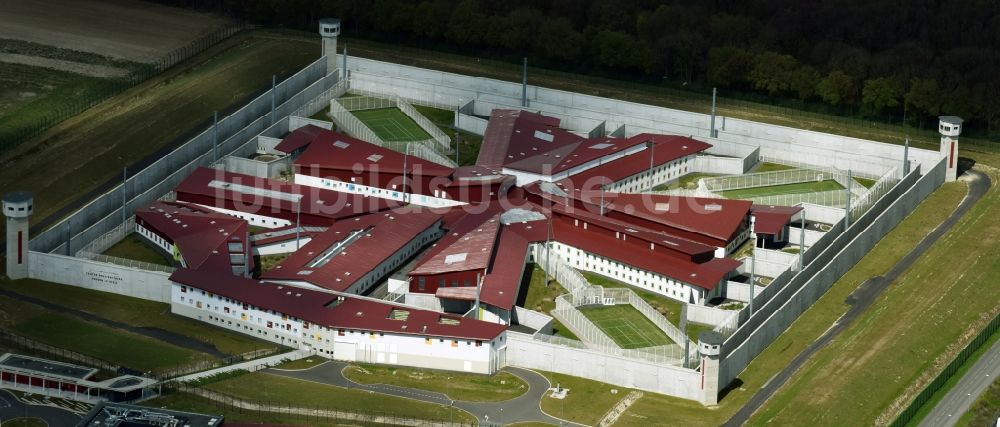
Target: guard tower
x,y
710,347
950,127
329,28
17,207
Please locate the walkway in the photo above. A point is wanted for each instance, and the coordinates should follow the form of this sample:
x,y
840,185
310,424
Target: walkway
x,y
250,365
961,397
524,408
862,298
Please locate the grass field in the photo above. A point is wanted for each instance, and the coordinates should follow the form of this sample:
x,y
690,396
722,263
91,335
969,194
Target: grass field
x,y
985,410
776,190
668,307
135,312
459,386
391,124
805,330
908,347
542,298
587,400
626,326
468,144
136,248
689,181
289,391
193,403
87,150
91,339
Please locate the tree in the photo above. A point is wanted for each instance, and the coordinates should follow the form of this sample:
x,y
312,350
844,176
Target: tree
x,y
773,72
803,81
837,88
618,50
468,24
728,65
926,96
880,94
558,41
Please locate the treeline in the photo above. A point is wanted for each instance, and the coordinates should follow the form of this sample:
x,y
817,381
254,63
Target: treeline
x,y
870,58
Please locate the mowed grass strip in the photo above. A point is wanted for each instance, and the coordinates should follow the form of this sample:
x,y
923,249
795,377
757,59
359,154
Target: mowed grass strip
x,y
457,385
587,400
135,247
468,143
805,329
89,149
777,190
542,298
274,389
391,124
135,312
188,402
626,326
869,373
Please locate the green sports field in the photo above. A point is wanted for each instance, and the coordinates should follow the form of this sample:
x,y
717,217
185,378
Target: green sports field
x,y
391,124
775,190
626,326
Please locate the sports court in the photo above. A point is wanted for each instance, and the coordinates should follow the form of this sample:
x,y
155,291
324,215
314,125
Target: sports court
x,y
777,190
391,124
626,326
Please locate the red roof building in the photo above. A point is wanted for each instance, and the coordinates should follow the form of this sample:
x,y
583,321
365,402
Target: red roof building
x,y
197,237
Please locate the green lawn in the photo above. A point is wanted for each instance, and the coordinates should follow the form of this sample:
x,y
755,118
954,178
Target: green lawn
x,y
306,363
775,190
391,124
668,307
587,400
469,143
905,347
865,182
135,312
689,181
985,410
626,326
542,298
459,386
134,351
25,422
805,330
135,247
290,391
83,152
192,403
772,167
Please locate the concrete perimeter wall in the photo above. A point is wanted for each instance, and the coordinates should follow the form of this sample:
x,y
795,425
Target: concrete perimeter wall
x,y
142,187
100,276
585,112
849,247
524,351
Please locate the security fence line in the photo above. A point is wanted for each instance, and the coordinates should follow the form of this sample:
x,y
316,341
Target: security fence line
x,y
795,160
424,124
261,408
96,248
882,186
767,179
313,106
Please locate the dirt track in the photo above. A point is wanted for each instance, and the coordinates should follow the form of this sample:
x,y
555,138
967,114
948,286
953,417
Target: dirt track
x,y
126,29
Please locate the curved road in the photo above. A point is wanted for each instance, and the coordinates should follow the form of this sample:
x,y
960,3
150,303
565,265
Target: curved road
x,y
11,408
863,297
524,408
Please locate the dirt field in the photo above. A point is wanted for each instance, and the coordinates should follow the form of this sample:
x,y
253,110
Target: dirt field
x,y
126,29
82,68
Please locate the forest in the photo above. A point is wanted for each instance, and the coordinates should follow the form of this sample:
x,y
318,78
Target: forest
x,y
879,59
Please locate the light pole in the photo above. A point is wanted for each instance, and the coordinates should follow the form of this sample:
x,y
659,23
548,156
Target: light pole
x,y
406,154
652,150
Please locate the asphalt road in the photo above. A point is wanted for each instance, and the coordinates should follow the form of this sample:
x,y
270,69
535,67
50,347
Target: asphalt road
x,y
966,391
524,408
862,298
11,408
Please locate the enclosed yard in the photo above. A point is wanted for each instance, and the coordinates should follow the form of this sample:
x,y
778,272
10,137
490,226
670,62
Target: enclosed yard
x,y
626,326
391,124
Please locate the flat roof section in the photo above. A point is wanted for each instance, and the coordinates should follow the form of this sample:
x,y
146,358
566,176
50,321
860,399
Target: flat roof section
x,y
45,367
106,414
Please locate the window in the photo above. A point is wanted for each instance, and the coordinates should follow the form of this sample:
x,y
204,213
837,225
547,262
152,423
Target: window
x,y
454,343
479,343
184,289
420,283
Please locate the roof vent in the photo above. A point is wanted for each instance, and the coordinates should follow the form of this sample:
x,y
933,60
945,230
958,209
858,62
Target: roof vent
x,y
714,207
359,314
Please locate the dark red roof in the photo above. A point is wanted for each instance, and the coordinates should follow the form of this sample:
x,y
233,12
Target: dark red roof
x,y
332,150
463,249
512,135
378,237
502,282
274,198
202,236
299,138
327,309
771,219
716,218
667,149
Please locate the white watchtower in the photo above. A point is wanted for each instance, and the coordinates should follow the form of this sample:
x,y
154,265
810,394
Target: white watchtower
x,y
329,28
17,207
710,348
950,127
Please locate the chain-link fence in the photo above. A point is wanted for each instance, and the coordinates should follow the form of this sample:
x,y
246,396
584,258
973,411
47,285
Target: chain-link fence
x,y
96,248
772,178
262,409
362,103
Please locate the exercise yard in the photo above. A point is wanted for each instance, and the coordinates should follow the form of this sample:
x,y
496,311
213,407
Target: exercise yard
x,y
626,326
777,190
391,124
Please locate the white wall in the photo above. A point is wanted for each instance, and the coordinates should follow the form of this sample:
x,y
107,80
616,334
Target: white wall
x,y
741,291
100,276
252,219
794,236
824,214
707,315
342,344
662,174
719,165
350,187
